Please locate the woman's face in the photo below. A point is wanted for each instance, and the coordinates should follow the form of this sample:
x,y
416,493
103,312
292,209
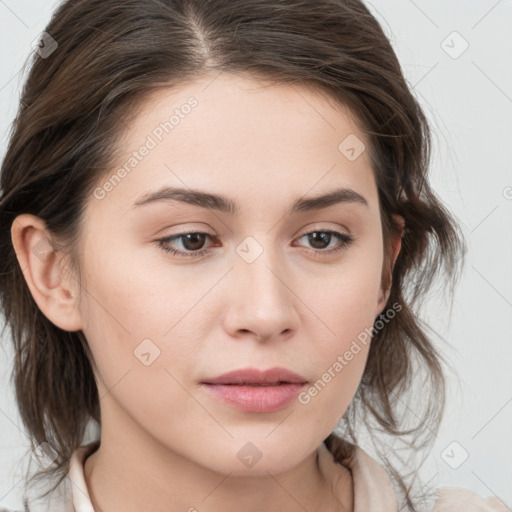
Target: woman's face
x,y
251,290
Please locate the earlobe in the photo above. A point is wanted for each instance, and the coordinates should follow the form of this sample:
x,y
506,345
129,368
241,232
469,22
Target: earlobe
x,y
397,242
42,267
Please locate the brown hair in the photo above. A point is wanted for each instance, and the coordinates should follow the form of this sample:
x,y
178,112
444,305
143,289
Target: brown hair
x,y
110,55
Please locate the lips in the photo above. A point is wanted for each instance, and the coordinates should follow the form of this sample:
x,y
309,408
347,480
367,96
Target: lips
x,y
254,377
255,391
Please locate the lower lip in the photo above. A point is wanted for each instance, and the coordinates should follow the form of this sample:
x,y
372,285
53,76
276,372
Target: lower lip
x,y
255,398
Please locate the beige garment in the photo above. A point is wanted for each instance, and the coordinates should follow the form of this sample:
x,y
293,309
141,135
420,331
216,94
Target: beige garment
x,y
373,490
453,499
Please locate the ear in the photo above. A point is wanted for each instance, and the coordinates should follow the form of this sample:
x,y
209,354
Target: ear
x,y
51,286
393,249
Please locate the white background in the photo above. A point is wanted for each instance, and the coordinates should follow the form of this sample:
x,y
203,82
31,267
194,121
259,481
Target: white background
x,y
468,100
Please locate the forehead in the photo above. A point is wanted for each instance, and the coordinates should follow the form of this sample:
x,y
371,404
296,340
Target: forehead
x,y
232,132
240,100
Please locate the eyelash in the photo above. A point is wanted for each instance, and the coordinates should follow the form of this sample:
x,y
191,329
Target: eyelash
x,y
345,240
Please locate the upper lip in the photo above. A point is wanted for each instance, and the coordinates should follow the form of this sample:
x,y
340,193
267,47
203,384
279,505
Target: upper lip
x,y
255,376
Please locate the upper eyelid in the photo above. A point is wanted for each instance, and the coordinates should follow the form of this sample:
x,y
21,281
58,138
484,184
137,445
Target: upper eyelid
x,y
307,232
177,236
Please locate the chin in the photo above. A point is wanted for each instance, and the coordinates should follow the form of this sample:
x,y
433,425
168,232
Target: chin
x,y
249,460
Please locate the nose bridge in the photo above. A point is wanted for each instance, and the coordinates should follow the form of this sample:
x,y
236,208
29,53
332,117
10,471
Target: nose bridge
x,y
263,300
260,264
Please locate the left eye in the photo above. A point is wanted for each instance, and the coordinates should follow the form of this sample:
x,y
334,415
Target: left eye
x,y
193,242
320,238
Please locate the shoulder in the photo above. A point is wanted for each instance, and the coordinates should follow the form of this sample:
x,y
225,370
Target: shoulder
x,y
452,499
57,500
370,479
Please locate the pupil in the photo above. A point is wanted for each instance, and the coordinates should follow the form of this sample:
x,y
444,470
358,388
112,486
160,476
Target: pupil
x,y
323,237
197,240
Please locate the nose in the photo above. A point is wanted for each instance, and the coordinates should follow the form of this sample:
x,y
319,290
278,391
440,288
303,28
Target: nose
x,y
262,303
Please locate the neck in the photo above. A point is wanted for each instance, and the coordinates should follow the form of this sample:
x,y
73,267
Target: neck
x,y
133,472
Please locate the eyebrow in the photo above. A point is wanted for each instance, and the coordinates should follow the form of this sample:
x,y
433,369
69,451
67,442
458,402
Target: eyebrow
x,y
226,205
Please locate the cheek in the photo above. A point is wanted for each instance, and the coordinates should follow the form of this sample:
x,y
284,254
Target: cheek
x,y
131,315
347,295
345,305
339,359
136,293
142,369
